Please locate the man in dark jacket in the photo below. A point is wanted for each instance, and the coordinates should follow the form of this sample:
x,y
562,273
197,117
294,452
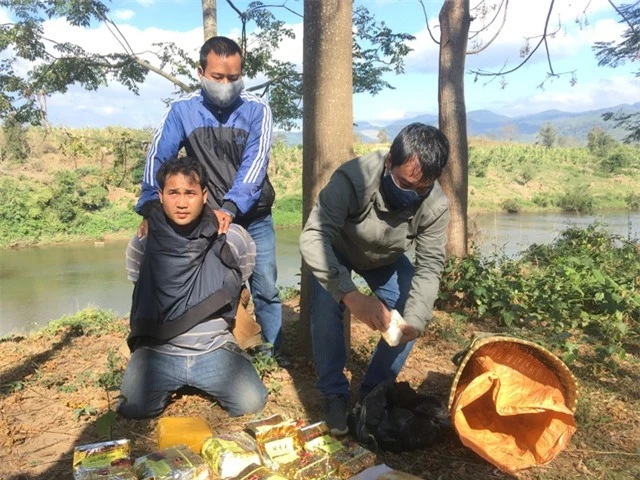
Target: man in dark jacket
x,y
373,210
184,301
228,130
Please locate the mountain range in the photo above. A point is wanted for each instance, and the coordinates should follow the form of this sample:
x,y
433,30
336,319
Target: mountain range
x,y
573,127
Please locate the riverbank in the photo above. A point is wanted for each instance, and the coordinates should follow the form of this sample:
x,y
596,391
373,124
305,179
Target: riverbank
x,y
59,385
82,184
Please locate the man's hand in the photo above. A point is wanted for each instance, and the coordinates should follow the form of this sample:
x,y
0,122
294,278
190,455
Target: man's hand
x,y
143,228
224,220
408,333
369,310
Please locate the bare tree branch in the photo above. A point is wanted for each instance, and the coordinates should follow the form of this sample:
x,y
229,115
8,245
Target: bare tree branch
x,y
504,20
162,73
426,21
543,39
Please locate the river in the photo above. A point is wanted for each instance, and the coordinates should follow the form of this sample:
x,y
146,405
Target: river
x,y
43,283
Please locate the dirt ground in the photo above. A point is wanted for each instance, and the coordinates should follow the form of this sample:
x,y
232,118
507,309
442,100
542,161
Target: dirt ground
x,y
49,403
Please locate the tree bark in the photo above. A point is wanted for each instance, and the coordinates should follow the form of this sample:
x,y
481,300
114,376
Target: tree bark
x,y
327,123
454,28
209,18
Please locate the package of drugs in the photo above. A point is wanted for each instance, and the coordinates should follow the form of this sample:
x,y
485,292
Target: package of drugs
x,y
325,443
189,431
351,460
278,443
258,472
393,334
257,425
311,431
102,456
229,454
177,462
308,466
105,473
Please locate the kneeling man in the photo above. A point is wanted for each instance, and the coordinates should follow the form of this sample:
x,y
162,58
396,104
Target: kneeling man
x,y
184,302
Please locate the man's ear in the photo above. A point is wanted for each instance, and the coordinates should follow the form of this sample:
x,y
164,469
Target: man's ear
x,y
200,71
387,161
160,195
205,192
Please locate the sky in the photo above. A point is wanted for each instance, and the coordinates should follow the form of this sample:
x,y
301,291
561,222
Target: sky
x,y
577,23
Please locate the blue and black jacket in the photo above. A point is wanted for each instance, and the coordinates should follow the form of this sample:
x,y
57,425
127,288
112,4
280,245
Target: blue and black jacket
x,y
233,144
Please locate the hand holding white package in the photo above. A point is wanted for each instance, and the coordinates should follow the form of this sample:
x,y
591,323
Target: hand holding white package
x,y
393,334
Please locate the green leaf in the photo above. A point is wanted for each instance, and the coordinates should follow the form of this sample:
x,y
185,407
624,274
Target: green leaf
x,y
105,424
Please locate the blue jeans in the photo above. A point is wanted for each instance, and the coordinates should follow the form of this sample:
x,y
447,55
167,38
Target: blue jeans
x,y
391,285
226,374
268,307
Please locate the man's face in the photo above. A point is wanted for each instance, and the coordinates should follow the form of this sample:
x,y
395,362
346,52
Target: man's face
x,y
222,69
183,199
408,176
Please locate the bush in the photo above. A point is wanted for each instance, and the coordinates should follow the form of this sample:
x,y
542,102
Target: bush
x,y
616,160
511,206
583,284
633,201
94,197
577,200
15,146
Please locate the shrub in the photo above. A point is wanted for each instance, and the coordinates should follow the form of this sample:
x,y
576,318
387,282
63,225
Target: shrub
x,y
577,200
94,197
15,146
511,206
633,201
616,160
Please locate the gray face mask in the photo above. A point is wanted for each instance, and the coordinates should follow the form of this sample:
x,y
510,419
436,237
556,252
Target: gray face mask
x,y
221,94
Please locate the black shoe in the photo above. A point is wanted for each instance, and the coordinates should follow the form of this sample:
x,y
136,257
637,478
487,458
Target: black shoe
x,y
336,415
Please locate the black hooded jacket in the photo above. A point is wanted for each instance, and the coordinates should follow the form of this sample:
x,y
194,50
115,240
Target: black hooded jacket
x,y
184,279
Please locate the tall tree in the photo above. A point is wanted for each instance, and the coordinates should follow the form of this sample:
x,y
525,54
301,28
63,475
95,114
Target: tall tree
x,y
209,18
452,117
328,110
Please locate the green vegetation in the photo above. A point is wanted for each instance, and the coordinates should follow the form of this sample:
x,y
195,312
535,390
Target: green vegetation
x,y
83,183
579,294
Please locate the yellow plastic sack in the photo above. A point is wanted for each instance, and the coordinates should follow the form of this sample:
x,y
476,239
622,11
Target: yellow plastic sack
x,y
189,431
512,402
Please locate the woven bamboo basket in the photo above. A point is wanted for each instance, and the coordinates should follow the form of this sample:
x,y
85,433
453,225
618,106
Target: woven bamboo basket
x,y
512,402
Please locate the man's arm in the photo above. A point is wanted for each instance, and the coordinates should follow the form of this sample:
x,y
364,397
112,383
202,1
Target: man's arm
x,y
430,260
247,186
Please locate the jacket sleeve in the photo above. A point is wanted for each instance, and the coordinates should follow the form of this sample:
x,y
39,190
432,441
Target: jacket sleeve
x,y
247,186
429,264
335,202
166,143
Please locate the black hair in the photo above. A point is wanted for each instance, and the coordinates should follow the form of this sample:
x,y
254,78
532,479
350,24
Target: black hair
x,y
427,144
221,46
187,166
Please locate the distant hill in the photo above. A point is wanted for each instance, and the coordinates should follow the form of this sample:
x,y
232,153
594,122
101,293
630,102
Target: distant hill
x,y
571,126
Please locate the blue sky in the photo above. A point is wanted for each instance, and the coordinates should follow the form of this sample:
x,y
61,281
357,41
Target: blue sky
x,y
146,21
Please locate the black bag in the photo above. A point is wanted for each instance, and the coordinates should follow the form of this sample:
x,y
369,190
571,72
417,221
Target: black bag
x,y
396,418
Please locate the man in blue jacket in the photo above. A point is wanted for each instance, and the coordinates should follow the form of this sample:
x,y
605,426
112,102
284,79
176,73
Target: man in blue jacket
x,y
229,131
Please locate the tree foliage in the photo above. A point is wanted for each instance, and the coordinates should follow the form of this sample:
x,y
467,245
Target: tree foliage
x,y
615,54
54,66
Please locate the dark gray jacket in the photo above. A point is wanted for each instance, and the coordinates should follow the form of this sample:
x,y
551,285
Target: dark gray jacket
x,y
353,217
183,279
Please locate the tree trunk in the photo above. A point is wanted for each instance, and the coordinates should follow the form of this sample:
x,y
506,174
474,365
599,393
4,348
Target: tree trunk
x,y
327,122
209,18
454,31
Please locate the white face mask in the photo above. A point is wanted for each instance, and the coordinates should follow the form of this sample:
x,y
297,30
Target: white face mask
x,y
221,94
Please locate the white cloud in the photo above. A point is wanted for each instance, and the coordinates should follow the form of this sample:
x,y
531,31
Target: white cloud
x,y
123,15
146,3
525,19
603,93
